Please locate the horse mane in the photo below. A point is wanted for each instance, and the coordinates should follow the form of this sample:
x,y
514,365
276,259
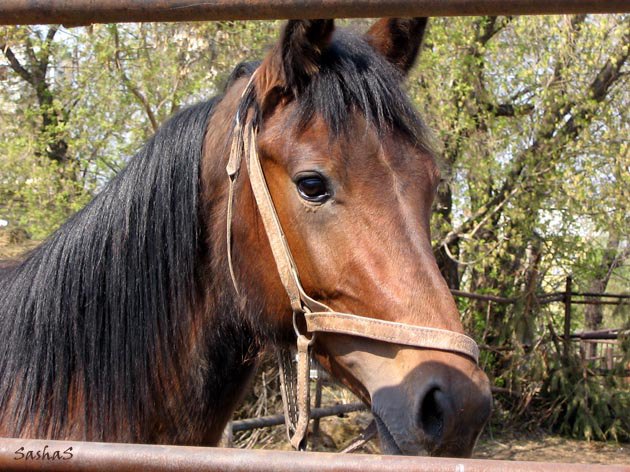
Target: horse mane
x,y
109,294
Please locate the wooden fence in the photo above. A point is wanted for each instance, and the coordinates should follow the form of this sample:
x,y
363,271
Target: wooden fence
x,y
604,354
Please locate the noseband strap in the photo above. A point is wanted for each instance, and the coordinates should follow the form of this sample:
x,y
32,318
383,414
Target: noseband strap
x,y
391,332
318,317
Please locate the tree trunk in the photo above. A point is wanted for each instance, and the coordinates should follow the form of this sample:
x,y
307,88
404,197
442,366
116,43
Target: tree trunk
x,y
613,257
448,266
34,72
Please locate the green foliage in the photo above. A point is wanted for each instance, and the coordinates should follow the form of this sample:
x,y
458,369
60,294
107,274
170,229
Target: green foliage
x,y
569,396
37,196
586,406
107,87
535,161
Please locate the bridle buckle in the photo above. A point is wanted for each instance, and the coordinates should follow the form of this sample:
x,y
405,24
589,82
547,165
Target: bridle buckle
x,y
296,327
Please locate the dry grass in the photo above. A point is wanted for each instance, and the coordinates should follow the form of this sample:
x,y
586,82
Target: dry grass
x,y
15,243
549,448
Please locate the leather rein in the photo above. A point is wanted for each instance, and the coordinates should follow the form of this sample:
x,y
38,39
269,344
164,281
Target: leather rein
x,y
314,315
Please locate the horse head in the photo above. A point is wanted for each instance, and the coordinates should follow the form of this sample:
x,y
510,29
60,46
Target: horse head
x,y
352,175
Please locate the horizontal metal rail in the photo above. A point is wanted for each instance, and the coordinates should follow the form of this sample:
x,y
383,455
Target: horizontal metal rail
x,y
598,302
69,456
84,12
487,298
597,295
602,334
275,420
544,298
559,296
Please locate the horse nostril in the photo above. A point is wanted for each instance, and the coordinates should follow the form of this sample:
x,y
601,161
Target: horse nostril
x,y
433,409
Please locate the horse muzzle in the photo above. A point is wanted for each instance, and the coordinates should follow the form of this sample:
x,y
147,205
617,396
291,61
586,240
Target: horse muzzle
x,y
438,408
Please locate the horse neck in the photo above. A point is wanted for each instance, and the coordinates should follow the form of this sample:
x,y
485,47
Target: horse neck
x,y
79,367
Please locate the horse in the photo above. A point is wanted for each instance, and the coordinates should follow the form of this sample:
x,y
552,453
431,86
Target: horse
x,y
130,323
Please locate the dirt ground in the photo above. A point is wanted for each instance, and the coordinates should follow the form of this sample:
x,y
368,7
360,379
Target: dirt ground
x,y
539,447
547,448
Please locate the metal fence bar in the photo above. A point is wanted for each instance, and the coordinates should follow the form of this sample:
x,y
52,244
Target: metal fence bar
x,y
91,457
477,296
544,298
586,294
275,420
598,302
608,333
594,294
83,12
567,316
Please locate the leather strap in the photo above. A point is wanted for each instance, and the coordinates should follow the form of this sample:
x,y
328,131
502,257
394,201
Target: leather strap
x,y
298,440
395,333
288,388
233,169
277,240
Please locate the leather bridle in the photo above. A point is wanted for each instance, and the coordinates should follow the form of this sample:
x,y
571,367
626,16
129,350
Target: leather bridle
x,y
308,312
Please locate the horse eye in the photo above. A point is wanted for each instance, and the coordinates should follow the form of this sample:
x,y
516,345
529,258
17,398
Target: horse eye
x,y
313,188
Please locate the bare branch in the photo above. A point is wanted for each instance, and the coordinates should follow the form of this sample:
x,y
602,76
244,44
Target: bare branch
x,y
611,71
52,31
468,228
488,27
549,135
127,81
598,89
509,109
15,64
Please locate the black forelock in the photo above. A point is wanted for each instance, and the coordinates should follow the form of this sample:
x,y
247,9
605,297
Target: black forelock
x,y
353,78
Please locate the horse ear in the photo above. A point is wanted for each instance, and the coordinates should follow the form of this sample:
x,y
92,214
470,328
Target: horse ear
x,y
398,39
296,58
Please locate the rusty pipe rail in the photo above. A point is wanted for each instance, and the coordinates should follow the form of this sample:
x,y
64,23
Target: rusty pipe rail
x,y
84,12
276,420
91,457
487,298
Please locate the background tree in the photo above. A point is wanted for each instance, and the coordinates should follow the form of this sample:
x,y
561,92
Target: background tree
x,y
77,103
532,114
